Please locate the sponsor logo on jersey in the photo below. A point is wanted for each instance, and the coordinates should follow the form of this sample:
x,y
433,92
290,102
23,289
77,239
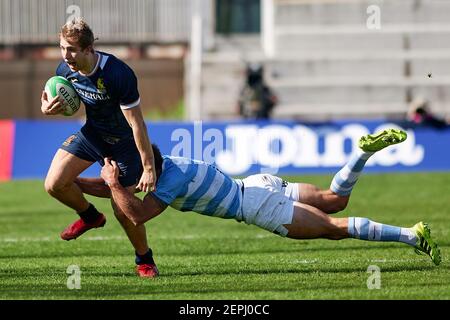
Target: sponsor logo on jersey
x,y
101,85
93,95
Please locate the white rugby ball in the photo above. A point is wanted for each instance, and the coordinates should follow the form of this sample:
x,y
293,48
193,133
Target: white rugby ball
x,y
60,86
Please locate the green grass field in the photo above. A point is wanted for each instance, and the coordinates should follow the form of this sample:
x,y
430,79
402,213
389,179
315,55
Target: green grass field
x,y
210,258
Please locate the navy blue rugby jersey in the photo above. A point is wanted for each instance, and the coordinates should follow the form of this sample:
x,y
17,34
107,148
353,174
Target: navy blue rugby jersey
x,y
110,87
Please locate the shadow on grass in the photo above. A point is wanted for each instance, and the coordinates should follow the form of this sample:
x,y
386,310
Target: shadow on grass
x,y
283,269
151,289
210,251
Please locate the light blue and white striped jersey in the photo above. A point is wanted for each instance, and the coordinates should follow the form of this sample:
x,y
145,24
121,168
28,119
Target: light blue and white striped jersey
x,y
191,185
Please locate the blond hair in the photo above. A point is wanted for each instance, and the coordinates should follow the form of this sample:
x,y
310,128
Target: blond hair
x,y
78,30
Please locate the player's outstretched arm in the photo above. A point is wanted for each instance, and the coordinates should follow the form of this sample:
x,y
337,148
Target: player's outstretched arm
x,y
135,209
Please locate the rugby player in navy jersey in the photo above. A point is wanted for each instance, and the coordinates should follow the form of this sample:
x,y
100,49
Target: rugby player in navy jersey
x,y
114,128
293,210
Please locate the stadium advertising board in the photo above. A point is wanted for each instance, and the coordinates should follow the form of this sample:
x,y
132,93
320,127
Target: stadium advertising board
x,y
293,148
241,148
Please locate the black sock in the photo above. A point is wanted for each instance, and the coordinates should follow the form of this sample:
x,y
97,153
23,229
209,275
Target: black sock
x,y
90,214
145,258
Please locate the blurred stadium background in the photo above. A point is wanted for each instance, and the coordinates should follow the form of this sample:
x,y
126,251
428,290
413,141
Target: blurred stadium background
x,y
335,77
320,56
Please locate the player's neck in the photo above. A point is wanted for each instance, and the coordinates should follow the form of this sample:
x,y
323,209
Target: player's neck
x,y
90,65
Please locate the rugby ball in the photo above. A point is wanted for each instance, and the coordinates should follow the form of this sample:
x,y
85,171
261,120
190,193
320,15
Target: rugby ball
x,y
60,86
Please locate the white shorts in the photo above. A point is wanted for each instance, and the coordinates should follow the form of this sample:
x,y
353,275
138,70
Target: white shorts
x,y
268,202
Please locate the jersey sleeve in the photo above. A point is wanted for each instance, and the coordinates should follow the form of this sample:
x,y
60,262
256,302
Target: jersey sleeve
x,y
127,88
170,184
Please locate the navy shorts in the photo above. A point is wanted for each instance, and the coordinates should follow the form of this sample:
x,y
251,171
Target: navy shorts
x,y
90,146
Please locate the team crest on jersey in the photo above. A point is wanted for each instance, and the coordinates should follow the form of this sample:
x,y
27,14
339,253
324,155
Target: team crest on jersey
x,y
101,85
69,140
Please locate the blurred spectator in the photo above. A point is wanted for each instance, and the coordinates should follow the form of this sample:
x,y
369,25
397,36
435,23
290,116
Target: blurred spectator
x,y
419,113
256,100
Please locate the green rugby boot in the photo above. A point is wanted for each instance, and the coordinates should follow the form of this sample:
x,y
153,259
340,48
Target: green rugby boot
x,y
424,242
376,142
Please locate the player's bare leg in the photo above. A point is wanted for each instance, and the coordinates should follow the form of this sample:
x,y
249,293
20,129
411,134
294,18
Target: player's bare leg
x,y
59,182
136,234
336,198
325,200
311,223
344,181
138,237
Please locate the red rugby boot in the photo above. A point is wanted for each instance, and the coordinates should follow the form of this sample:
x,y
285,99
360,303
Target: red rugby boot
x,y
147,270
79,227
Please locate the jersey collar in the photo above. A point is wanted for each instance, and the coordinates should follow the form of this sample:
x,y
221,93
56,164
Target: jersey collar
x,y
99,58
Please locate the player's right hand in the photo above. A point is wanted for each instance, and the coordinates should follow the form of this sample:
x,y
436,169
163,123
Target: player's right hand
x,y
52,107
110,172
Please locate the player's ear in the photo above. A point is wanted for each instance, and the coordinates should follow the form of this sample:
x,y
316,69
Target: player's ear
x,y
88,49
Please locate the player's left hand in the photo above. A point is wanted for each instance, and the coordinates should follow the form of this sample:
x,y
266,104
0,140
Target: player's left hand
x,y
147,182
110,172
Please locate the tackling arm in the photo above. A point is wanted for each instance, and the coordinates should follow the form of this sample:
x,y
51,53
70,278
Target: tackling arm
x,y
94,187
137,210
